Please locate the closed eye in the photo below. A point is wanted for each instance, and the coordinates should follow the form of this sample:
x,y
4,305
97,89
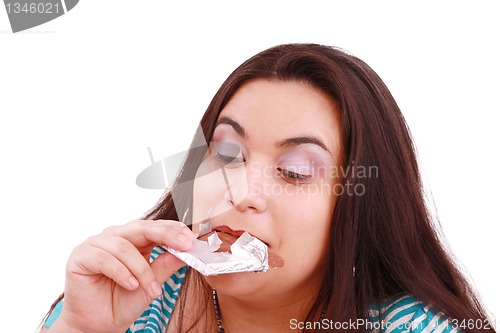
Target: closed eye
x,y
293,177
226,154
229,161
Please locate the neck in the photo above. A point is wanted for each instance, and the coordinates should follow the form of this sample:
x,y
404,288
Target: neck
x,y
264,315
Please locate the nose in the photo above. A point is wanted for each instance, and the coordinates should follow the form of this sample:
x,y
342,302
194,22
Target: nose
x,y
248,193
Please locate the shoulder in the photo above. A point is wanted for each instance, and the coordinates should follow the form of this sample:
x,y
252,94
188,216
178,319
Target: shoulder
x,y
405,313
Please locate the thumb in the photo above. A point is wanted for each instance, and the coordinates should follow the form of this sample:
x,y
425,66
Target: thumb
x,y
165,265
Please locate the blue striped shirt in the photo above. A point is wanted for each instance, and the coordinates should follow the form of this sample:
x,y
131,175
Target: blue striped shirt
x,y
405,313
156,317
400,314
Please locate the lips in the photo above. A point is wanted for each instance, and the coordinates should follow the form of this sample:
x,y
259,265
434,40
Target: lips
x,y
235,233
221,251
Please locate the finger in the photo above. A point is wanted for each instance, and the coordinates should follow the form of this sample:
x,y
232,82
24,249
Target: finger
x,y
133,260
178,236
95,261
161,232
165,265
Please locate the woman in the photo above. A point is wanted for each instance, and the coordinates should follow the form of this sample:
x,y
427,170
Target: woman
x,y
326,176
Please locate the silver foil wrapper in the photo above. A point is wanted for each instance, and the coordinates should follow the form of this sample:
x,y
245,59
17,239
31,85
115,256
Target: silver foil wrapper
x,y
248,254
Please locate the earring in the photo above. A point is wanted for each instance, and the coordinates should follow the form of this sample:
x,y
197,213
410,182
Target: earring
x,y
353,271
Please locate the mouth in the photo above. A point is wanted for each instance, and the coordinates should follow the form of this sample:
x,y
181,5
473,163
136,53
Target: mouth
x,y
235,233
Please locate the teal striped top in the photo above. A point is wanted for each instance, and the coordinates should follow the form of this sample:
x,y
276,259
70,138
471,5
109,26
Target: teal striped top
x,y
400,314
405,313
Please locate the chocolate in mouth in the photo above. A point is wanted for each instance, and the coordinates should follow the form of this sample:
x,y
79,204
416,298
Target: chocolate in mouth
x,y
229,236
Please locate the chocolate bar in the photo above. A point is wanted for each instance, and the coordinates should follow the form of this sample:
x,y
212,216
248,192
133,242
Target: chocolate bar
x,y
224,251
228,237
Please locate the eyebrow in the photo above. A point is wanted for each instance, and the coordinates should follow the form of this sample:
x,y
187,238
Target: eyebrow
x,y
290,142
237,127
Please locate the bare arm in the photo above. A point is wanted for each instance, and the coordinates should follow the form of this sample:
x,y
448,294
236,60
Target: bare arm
x,y
109,279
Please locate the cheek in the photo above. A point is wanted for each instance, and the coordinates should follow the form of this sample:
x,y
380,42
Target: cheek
x,y
308,208
305,226
304,243
208,192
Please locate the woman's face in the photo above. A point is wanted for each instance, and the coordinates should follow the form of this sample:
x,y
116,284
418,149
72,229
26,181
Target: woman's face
x,y
283,140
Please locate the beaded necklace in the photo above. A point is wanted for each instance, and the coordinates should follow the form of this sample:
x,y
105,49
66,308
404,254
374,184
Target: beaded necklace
x,y
220,329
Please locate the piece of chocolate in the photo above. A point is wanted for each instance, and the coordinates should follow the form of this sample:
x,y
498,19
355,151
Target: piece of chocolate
x,y
227,240
223,251
228,237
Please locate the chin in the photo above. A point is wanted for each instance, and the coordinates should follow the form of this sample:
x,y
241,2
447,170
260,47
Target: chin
x,y
241,284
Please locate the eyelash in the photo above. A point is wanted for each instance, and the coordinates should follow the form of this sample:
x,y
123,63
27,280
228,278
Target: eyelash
x,y
229,161
287,175
293,177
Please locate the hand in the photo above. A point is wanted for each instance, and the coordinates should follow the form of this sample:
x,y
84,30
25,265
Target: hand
x,y
109,280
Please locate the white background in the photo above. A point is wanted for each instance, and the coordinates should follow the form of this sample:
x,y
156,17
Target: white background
x,y
83,96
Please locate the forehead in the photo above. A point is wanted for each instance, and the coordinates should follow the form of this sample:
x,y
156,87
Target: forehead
x,y
276,110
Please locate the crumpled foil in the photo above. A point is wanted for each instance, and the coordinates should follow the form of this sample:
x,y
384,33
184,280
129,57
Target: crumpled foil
x,y
248,254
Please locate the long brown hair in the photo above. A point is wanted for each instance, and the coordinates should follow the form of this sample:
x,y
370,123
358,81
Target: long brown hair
x,y
387,234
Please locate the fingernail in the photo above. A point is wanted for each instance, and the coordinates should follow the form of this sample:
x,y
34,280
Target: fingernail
x,y
132,281
155,288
